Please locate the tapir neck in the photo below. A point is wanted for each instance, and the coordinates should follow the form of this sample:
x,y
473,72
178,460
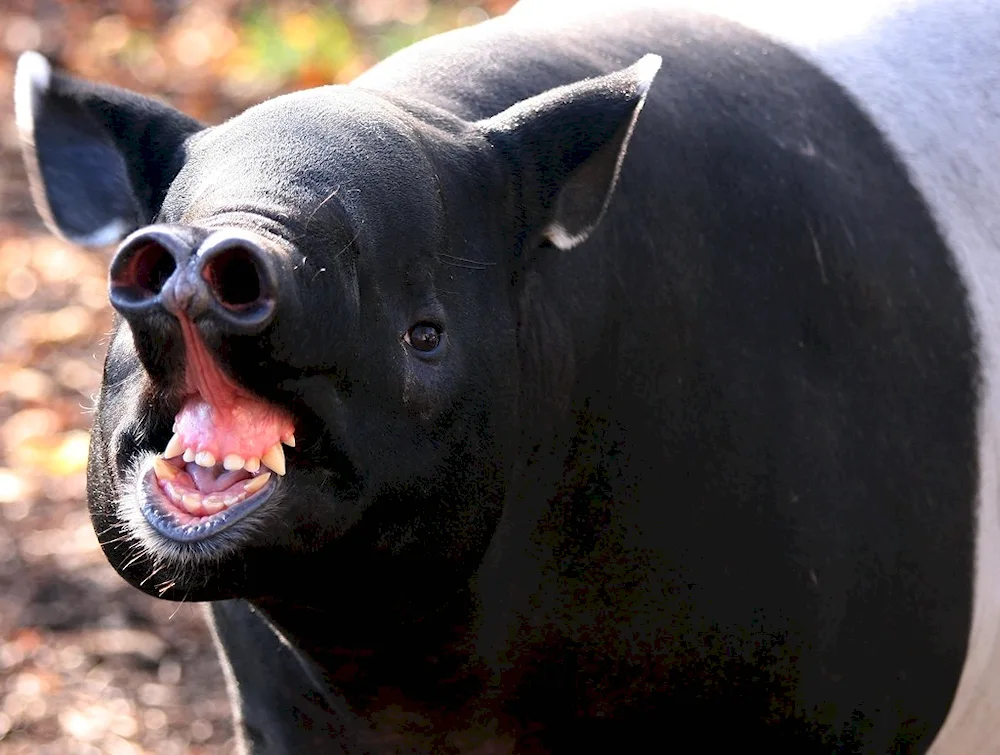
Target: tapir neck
x,y
379,651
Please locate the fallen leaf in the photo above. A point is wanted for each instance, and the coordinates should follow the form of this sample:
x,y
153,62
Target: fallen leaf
x,y
30,423
28,384
70,454
14,488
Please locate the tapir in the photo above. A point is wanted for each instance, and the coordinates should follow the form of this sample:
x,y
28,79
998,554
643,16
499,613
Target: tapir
x,y
589,380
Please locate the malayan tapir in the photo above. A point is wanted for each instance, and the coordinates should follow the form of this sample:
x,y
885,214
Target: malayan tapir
x,y
584,381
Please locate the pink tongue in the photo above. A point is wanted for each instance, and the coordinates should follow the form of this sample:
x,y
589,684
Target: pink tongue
x,y
219,417
206,480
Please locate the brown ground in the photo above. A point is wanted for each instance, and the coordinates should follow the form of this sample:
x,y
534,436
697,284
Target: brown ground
x,y
87,663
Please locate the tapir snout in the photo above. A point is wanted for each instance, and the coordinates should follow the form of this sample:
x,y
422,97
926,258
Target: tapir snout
x,y
190,272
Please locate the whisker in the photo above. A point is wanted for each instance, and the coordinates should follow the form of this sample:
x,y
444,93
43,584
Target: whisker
x,y
133,560
162,588
126,536
348,245
466,260
152,574
180,604
318,207
464,267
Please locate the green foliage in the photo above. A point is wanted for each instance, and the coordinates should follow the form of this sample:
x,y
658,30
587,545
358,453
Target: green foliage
x,y
282,42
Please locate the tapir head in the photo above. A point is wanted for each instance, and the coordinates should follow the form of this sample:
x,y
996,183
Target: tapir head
x,y
319,353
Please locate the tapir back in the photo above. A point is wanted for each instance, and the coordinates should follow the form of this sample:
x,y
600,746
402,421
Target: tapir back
x,y
790,372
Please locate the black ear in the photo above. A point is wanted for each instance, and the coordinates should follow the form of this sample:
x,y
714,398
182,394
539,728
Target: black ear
x,y
99,159
567,147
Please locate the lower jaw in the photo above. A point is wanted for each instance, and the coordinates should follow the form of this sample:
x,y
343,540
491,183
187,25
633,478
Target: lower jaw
x,y
179,527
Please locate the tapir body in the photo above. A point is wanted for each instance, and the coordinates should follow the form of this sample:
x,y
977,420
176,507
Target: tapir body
x,y
582,381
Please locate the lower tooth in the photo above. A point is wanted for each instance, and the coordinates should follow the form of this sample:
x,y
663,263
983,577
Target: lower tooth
x,y
213,504
192,503
252,486
163,470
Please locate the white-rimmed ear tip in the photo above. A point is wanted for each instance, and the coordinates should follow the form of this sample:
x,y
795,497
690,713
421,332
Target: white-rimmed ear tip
x,y
110,233
33,68
646,69
32,77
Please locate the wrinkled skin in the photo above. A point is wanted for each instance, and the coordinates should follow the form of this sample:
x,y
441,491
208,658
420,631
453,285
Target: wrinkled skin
x,y
623,495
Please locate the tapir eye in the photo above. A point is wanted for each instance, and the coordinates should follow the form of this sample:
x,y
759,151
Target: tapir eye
x,y
424,337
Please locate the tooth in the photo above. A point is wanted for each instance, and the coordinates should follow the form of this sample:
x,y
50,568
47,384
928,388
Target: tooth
x,y
289,440
204,459
231,500
188,455
213,504
252,486
253,465
163,470
233,462
192,503
274,457
174,448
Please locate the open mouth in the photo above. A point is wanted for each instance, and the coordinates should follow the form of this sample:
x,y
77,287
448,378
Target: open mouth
x,y
224,459
221,463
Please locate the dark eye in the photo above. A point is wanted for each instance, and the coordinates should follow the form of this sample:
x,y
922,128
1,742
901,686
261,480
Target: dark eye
x,y
423,337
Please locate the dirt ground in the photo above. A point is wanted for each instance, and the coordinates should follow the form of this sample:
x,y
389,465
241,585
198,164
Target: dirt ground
x,y
89,665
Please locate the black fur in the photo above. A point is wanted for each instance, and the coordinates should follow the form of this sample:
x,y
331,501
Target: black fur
x,y
709,476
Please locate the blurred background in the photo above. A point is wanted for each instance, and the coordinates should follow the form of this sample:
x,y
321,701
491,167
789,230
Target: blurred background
x,y
88,664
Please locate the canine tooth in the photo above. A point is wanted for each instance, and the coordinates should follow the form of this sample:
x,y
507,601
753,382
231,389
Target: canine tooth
x,y
188,455
252,486
274,458
163,470
233,462
174,448
192,503
204,459
289,440
253,465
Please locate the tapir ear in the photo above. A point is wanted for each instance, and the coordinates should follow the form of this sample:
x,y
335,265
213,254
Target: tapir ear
x,y
99,159
567,147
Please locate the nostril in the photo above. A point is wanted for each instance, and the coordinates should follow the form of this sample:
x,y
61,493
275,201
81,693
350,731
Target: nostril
x,y
139,274
236,279
238,276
